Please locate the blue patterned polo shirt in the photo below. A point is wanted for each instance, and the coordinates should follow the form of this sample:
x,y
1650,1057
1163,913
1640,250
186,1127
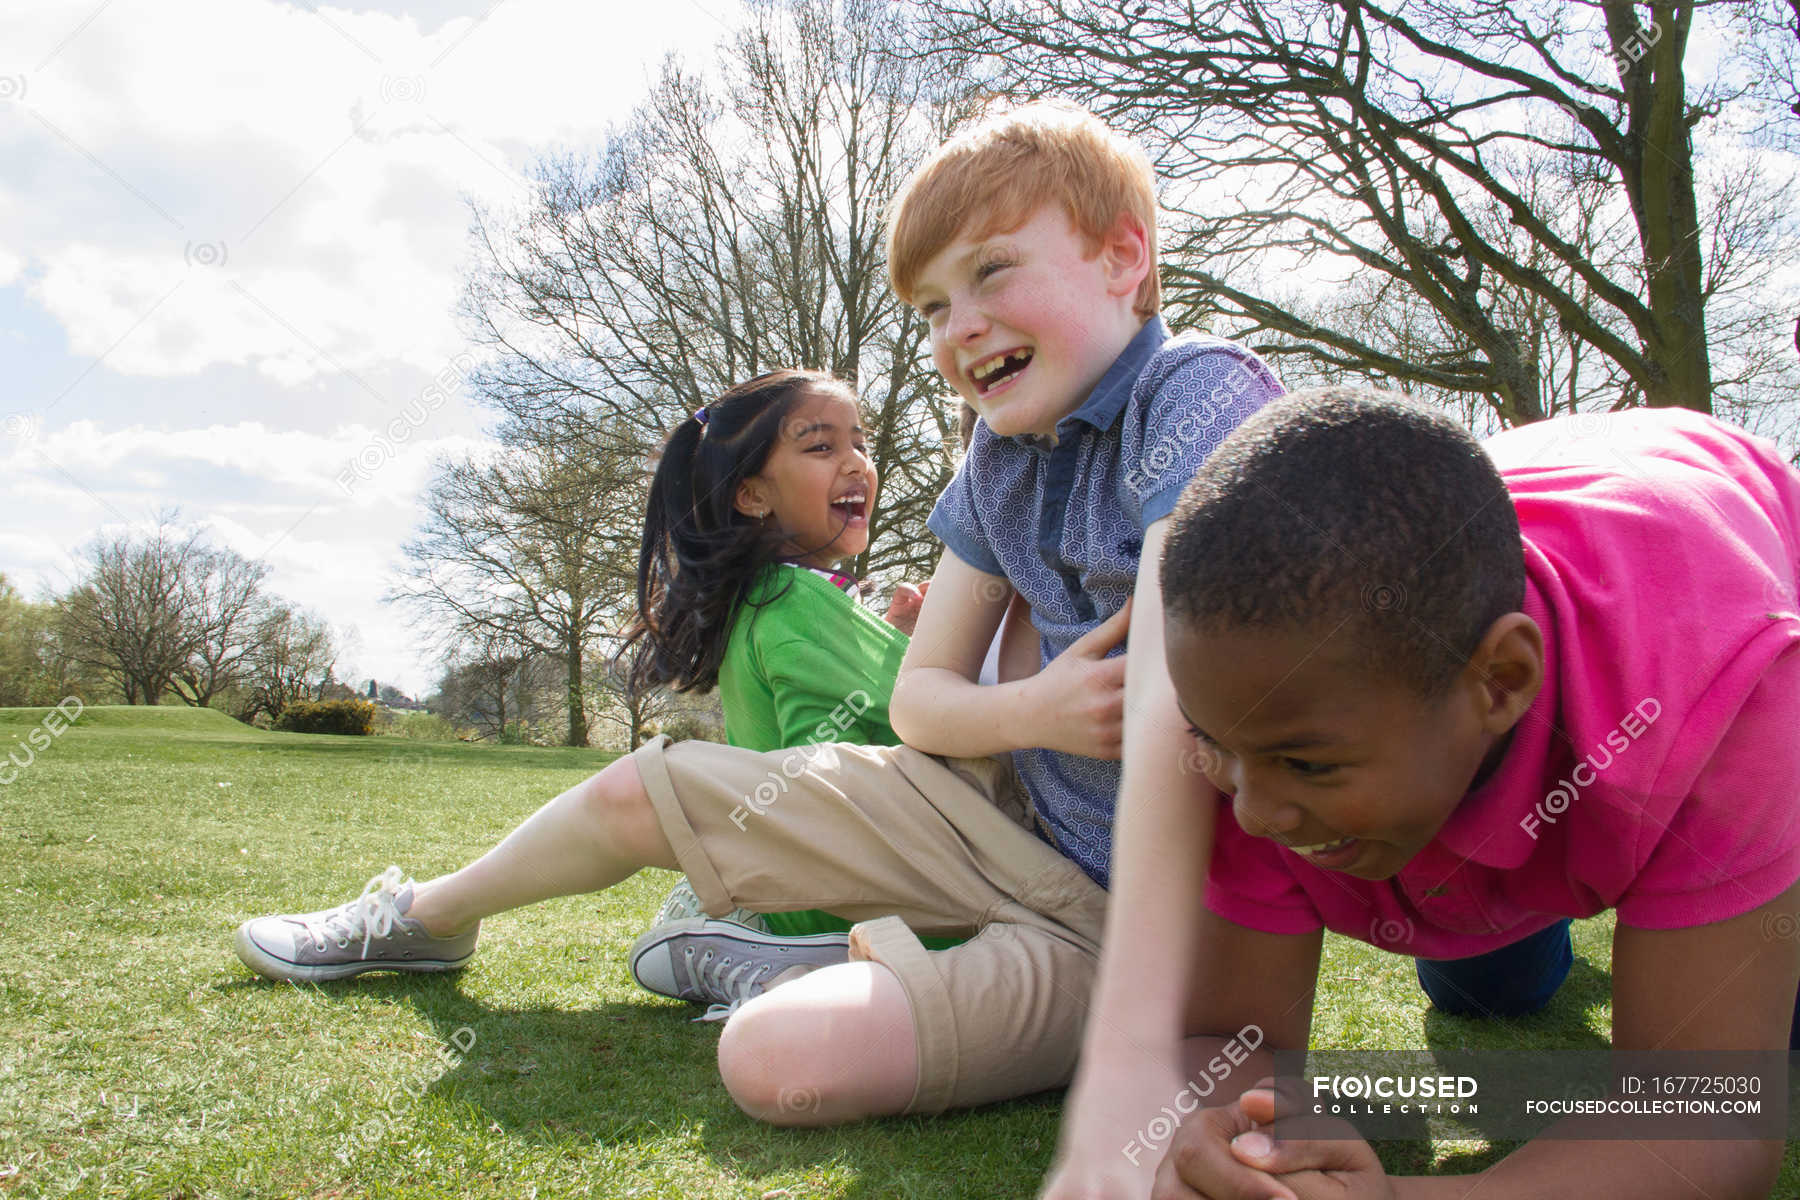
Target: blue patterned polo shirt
x,y
1065,523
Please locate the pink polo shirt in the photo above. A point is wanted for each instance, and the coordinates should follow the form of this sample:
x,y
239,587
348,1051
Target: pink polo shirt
x,y
1658,772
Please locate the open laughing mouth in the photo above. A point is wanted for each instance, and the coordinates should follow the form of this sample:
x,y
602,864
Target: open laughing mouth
x,y
853,507
1330,854
992,373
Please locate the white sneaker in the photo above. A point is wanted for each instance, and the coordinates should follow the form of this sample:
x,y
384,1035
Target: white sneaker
x,y
370,933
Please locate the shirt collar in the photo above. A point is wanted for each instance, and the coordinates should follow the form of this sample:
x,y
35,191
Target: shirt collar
x,y
1104,404
843,583
1107,400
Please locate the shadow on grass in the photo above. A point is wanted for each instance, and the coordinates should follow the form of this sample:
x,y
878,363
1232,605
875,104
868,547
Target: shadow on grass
x,y
1566,1023
641,1080
638,1080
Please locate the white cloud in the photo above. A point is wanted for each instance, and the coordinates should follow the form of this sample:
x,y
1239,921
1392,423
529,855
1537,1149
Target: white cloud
x,y
300,466
295,179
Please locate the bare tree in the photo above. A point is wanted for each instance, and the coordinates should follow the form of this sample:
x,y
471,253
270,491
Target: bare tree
x,y
294,656
1527,170
534,544
128,616
630,702
168,612
225,611
734,226
495,683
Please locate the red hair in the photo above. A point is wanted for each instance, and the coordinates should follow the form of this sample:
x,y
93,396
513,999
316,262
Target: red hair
x,y
991,178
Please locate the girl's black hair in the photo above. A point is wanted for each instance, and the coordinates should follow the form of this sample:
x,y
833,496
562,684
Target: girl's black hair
x,y
699,555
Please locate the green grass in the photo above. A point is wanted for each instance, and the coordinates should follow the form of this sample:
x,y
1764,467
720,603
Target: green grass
x,y
138,1058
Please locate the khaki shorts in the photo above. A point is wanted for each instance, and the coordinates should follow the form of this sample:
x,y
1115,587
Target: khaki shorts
x,y
905,843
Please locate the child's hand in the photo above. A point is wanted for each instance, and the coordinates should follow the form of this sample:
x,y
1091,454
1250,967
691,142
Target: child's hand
x,y
1229,1152
1103,1152
1201,1162
903,609
1080,694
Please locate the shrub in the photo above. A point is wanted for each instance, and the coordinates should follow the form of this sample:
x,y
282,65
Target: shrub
x,y
356,717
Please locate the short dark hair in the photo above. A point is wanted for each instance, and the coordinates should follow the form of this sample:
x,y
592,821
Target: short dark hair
x,y
1339,504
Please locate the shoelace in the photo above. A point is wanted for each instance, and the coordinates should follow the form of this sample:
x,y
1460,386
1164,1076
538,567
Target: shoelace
x,y
740,983
372,914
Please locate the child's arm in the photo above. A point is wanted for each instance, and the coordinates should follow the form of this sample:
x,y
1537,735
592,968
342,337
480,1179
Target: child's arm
x,y
1149,994
1251,987
1726,986
1074,704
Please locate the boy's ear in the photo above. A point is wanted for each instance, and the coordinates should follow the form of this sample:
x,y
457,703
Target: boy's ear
x,y
1125,252
1508,669
750,499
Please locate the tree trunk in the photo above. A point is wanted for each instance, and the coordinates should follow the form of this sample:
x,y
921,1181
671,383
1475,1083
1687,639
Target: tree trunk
x,y
1659,181
1520,398
578,725
146,689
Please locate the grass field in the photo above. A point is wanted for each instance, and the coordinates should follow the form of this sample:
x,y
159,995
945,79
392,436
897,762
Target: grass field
x,y
140,1059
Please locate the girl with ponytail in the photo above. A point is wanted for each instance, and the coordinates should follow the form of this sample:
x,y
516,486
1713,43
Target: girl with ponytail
x,y
757,497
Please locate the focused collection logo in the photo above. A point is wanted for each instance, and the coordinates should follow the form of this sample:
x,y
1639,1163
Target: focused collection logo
x,y
1353,1095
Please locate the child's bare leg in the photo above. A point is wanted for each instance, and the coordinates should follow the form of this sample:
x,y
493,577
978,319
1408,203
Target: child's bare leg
x,y
832,1046
592,836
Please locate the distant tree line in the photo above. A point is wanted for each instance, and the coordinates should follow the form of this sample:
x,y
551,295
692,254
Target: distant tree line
x,y
164,614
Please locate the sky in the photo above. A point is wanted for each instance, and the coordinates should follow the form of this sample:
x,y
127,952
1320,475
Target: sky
x,y
232,238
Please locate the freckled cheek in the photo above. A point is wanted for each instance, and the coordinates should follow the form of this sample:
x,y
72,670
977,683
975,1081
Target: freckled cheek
x,y
945,361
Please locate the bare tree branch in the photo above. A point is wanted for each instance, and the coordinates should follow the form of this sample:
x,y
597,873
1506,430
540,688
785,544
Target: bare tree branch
x,y
1526,170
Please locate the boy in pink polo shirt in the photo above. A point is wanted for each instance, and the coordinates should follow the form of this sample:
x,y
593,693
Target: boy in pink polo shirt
x,y
1450,700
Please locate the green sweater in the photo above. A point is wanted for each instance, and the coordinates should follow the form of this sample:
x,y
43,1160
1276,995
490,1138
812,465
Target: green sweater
x,y
806,664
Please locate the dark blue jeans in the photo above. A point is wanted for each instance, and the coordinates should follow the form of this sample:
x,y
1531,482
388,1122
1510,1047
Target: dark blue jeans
x,y
1508,982
1515,980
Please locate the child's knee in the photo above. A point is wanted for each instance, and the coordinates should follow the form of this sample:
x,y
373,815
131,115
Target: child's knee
x,y
764,1060
836,1045
616,800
